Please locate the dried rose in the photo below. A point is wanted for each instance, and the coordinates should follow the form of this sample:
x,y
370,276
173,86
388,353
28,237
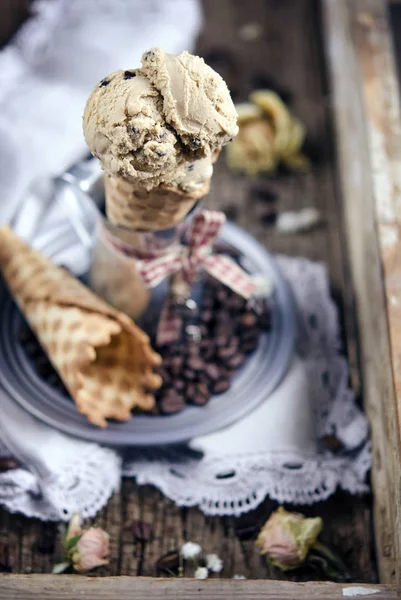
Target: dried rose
x,y
91,550
83,549
286,538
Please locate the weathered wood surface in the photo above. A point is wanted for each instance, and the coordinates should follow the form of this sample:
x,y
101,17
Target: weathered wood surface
x,y
366,105
65,587
288,56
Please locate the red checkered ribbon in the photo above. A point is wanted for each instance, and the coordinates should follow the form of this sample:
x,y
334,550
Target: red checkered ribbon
x,y
183,262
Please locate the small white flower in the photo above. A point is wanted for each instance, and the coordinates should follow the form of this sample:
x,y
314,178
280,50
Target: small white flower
x,y
239,577
190,550
201,573
214,563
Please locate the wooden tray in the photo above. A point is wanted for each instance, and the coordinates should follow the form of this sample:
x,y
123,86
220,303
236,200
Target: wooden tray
x,y
358,192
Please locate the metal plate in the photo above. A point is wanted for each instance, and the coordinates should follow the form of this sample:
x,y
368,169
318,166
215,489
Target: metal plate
x,y
252,384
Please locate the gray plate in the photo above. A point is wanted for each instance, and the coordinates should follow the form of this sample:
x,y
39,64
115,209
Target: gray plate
x,y
259,376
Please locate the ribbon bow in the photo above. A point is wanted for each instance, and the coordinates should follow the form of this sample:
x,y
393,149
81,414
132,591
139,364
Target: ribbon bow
x,y
183,262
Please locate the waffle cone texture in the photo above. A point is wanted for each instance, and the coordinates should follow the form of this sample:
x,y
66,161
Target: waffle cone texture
x,y
155,210
105,361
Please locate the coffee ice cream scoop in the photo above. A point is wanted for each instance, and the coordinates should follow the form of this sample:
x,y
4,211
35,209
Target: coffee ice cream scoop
x,y
162,124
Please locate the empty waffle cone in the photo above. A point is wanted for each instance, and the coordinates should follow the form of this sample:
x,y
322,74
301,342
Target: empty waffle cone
x,y
103,358
155,210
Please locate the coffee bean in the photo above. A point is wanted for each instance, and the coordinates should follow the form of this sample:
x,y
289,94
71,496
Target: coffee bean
x,y
212,370
168,564
265,321
221,386
248,334
209,352
164,373
250,346
176,365
172,402
202,394
194,348
264,196
195,363
179,385
249,319
7,463
236,361
189,374
222,340
190,392
141,531
227,352
206,316
222,294
223,318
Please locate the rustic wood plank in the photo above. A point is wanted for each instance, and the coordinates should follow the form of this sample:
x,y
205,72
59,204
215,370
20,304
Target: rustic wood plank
x,y
288,54
60,587
365,96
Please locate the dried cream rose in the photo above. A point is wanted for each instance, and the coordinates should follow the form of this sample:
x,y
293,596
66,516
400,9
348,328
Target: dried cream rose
x,y
74,527
91,550
286,538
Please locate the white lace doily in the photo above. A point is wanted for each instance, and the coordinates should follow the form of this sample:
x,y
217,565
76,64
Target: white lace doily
x,y
275,451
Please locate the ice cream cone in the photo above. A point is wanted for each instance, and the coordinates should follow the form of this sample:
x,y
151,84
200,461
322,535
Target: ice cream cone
x,y
155,210
103,358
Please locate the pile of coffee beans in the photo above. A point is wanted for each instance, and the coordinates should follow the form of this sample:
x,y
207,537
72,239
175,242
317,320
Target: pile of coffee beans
x,y
192,370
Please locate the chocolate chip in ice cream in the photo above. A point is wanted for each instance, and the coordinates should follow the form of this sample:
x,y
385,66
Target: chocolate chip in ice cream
x,y
104,82
129,74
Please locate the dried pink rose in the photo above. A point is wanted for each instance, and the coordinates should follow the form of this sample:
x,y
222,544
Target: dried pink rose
x,y
84,549
91,550
286,538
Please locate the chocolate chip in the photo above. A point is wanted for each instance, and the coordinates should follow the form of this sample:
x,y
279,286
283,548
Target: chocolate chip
x,y
148,54
171,402
168,564
105,82
7,463
129,74
190,167
141,531
221,386
133,129
195,143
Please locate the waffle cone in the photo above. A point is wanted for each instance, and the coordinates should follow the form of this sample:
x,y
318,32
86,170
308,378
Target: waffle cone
x,y
155,210
103,358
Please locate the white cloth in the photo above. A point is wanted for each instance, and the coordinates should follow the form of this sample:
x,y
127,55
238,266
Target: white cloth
x,y
273,451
